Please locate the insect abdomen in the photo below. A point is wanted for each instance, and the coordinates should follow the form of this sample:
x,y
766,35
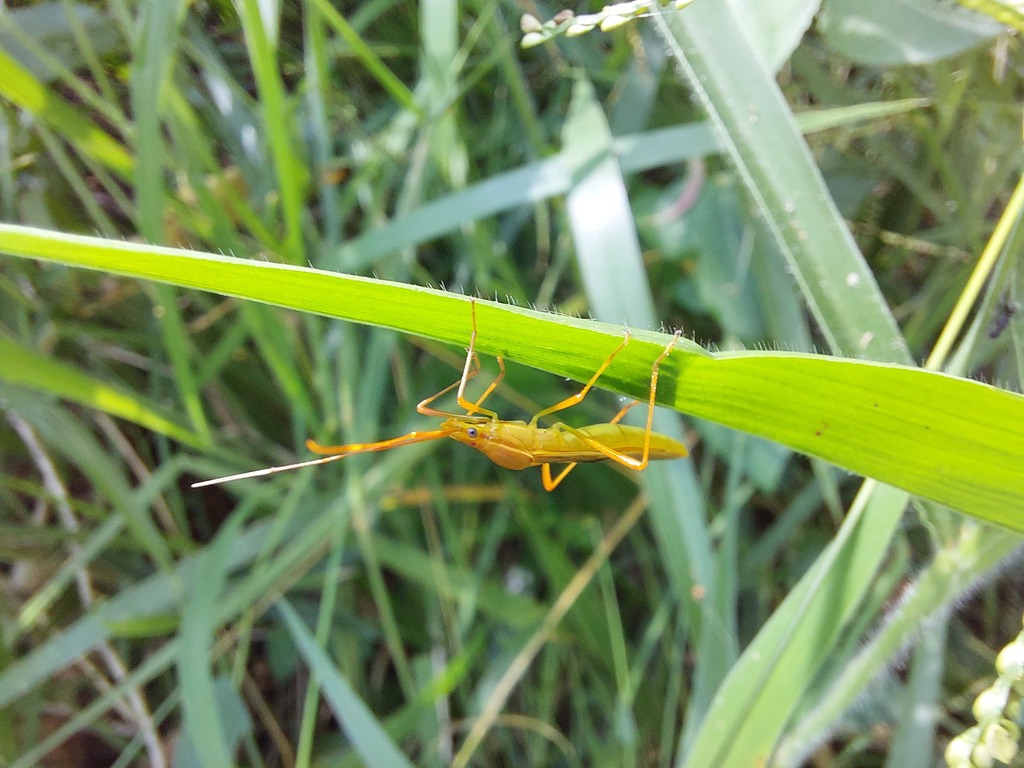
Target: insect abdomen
x,y
558,446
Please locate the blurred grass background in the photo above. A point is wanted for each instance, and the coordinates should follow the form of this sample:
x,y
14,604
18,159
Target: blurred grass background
x,y
423,606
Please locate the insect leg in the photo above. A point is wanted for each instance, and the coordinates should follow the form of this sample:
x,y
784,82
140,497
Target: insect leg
x,y
469,370
549,483
608,451
650,402
545,473
578,397
471,407
626,409
490,388
424,405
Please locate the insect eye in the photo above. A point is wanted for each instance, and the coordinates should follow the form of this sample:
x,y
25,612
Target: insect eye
x,y
472,432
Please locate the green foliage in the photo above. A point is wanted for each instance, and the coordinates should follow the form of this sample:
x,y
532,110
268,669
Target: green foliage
x,y
352,166
906,426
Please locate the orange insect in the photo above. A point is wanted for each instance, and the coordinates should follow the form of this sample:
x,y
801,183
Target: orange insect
x,y
519,444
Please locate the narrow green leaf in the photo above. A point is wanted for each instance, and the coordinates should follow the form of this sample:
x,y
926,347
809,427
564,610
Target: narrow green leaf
x,y
956,441
23,90
552,176
365,732
760,134
611,265
261,39
28,369
387,79
201,701
886,33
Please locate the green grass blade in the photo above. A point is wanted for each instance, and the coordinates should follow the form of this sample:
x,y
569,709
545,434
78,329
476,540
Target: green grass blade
x,y
155,50
387,79
66,434
955,571
23,90
199,623
762,139
613,272
43,374
756,701
764,686
161,592
956,441
553,176
262,42
362,728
